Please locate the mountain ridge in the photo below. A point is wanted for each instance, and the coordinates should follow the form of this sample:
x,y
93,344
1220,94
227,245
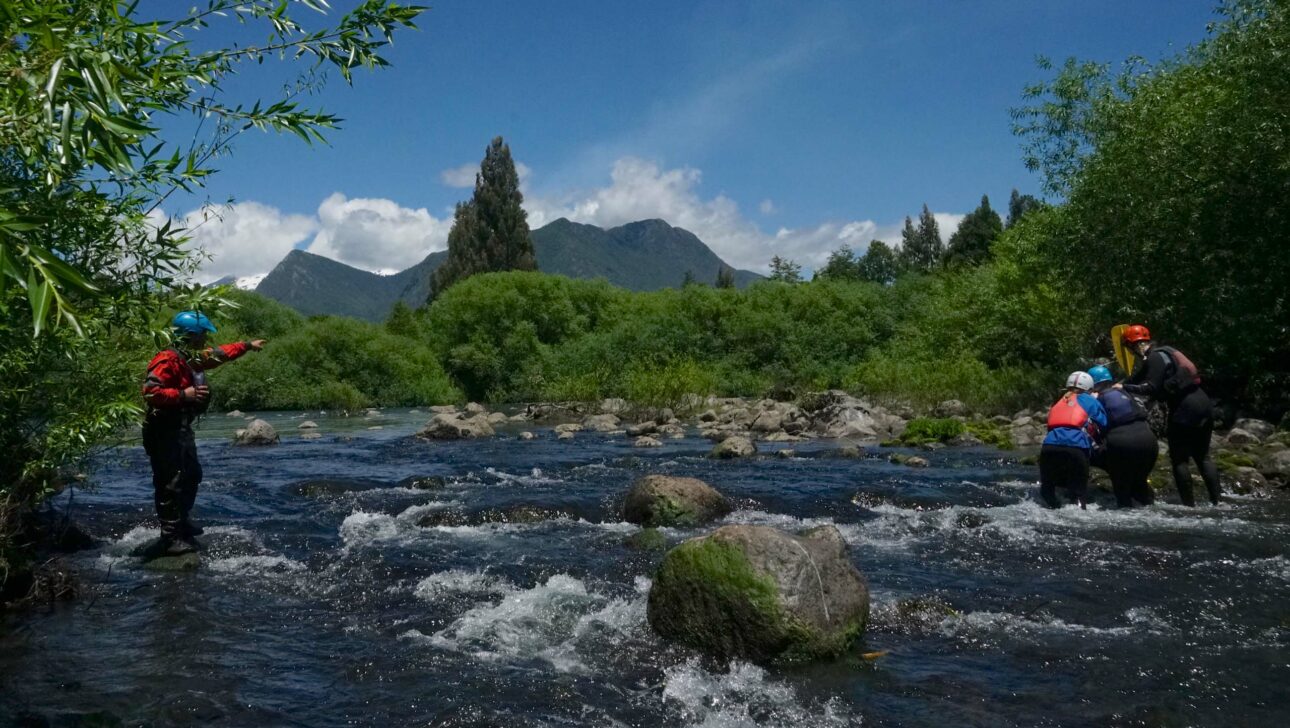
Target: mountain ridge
x,y
642,255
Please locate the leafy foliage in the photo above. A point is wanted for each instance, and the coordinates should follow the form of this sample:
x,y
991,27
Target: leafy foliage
x,y
970,244
921,248
1176,179
785,270
84,270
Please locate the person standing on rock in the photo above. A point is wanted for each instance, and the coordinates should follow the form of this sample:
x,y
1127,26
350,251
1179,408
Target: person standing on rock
x,y
1074,426
1167,376
176,394
1131,447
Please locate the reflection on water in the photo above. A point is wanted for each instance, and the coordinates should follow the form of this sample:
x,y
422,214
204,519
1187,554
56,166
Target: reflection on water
x,y
357,606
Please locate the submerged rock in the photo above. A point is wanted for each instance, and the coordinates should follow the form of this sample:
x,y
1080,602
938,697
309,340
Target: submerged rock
x,y
331,487
735,446
758,593
646,441
307,425
526,435
235,413
646,539
424,482
257,433
912,461
664,500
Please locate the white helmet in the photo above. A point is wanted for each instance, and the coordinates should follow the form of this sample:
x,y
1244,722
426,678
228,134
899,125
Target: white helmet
x,y
1080,380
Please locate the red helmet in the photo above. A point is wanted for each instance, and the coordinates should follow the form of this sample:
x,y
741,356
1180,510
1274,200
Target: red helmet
x,y
1136,333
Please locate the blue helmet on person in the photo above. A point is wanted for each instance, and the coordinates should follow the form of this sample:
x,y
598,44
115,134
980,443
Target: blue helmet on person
x,y
191,323
1100,374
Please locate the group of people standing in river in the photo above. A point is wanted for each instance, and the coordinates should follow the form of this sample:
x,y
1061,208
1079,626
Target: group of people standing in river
x,y
1101,423
1097,422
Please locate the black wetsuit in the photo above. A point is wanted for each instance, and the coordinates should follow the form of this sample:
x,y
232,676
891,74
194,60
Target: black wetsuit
x,y
1191,422
1131,449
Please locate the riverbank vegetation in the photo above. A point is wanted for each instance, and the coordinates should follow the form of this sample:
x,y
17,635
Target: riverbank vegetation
x,y
84,164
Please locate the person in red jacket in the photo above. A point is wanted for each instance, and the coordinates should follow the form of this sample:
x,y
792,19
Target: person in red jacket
x,y
176,394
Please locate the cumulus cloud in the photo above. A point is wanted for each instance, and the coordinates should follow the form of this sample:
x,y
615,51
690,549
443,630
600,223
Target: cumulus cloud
x,y
463,177
377,234
640,189
244,238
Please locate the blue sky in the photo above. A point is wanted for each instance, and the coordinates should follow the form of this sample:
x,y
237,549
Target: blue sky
x,y
764,127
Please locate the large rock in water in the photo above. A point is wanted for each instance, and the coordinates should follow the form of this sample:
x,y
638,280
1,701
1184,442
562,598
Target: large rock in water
x,y
759,593
734,446
258,432
662,500
456,427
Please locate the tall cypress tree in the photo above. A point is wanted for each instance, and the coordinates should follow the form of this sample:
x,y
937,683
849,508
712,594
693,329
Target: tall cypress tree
x,y
725,277
970,244
491,231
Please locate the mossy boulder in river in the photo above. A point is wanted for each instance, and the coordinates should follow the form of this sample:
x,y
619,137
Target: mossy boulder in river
x,y
662,500
758,593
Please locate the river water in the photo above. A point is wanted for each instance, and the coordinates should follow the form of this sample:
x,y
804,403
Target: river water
x,y
340,609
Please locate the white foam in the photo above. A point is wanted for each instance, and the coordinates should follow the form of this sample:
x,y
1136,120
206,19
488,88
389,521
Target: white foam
x,y
744,696
459,581
1275,566
534,477
256,565
1020,627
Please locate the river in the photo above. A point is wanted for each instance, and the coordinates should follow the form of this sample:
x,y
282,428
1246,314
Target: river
x,y
341,609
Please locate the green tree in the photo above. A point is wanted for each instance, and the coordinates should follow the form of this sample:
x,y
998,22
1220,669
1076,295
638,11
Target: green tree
x,y
785,270
725,277
1019,205
921,248
879,264
82,164
688,279
1176,179
490,232
970,244
842,265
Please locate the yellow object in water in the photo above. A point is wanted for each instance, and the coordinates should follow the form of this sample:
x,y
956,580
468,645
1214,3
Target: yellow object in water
x,y
873,655
1123,354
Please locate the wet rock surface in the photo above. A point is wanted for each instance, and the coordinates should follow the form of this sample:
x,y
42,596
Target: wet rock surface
x,y
762,594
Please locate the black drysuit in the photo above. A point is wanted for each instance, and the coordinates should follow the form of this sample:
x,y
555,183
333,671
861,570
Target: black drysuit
x,y
1191,422
1131,449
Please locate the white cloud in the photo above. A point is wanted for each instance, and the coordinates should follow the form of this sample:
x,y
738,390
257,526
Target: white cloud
x,y
460,177
463,177
244,238
767,207
377,234
640,190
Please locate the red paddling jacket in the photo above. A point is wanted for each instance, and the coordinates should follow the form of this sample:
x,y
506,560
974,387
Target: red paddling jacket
x,y
173,370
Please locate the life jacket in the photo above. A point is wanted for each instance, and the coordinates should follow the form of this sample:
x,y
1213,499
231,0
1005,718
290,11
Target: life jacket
x,y
1121,409
1184,377
1068,412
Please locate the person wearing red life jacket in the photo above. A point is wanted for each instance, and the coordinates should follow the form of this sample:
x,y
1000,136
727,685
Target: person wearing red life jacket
x,y
1075,424
176,394
1167,375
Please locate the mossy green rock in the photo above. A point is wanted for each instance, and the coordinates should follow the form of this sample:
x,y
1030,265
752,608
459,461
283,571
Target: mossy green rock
x,y
153,557
758,593
662,500
646,539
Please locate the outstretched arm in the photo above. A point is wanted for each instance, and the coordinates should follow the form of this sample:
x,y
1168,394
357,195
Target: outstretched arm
x,y
214,356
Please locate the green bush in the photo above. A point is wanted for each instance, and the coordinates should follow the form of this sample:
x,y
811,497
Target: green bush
x,y
325,363
924,430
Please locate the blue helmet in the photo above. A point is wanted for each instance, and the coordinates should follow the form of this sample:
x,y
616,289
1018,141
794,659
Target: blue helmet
x,y
192,323
1100,374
